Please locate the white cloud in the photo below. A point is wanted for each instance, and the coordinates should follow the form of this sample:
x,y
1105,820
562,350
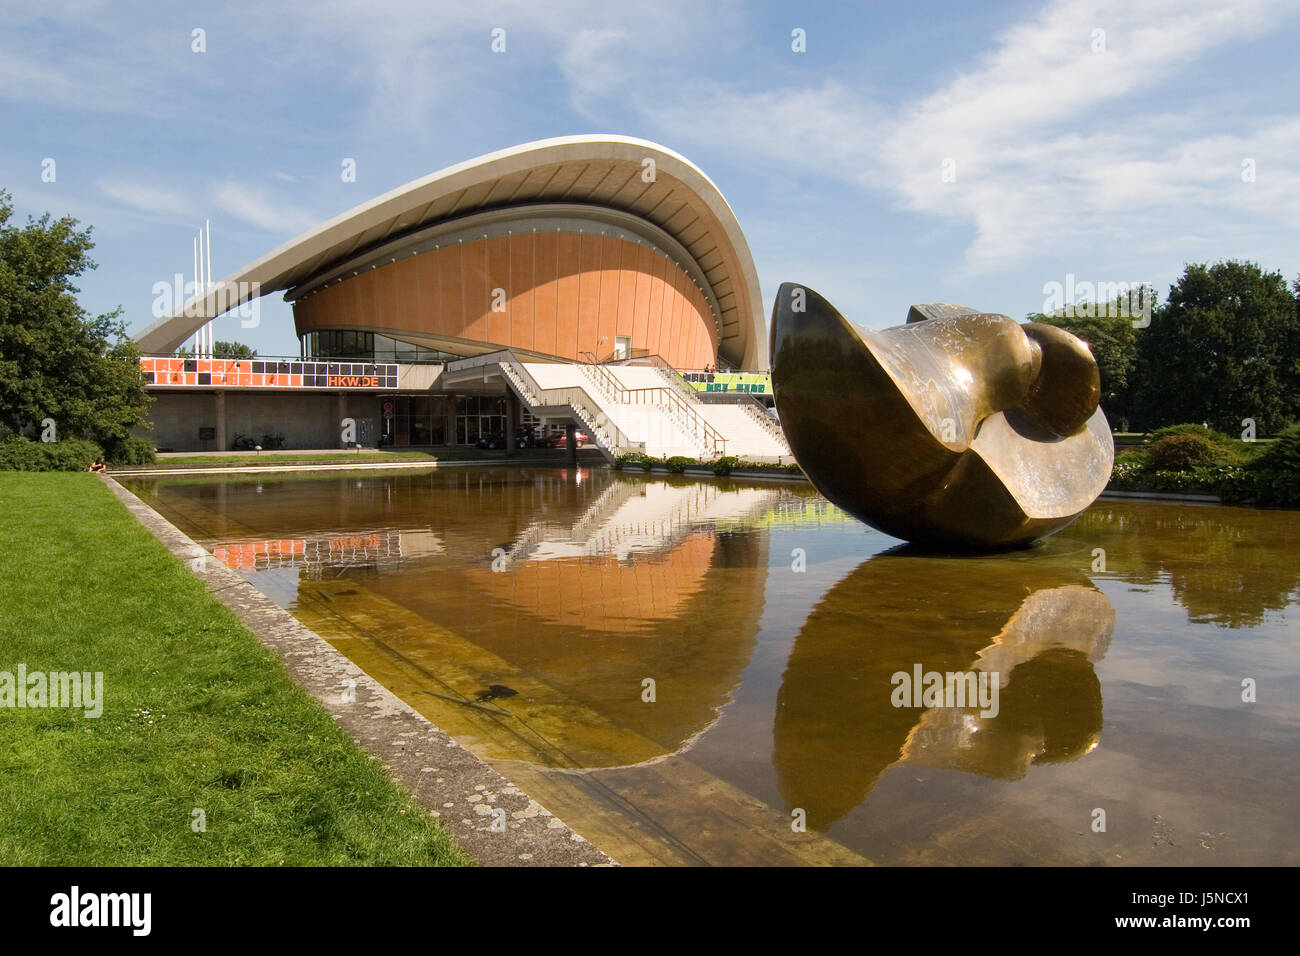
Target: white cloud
x,y
257,208
1055,146
154,200
1042,158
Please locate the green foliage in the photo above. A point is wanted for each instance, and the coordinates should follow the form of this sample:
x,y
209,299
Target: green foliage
x,y
131,450
1181,452
1284,455
1269,480
1275,475
224,350
1223,348
22,454
56,361
725,464
1114,345
677,464
1189,428
636,460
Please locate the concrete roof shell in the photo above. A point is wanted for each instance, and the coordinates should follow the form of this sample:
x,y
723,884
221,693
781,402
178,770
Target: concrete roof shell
x,y
621,173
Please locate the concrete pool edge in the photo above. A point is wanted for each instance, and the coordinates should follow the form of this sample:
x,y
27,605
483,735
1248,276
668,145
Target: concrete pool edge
x,y
490,818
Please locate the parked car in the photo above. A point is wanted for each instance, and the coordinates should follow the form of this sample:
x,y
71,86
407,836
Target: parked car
x,y
491,441
558,440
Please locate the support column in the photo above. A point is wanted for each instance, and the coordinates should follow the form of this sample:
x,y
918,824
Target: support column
x,y
571,443
223,442
512,421
342,414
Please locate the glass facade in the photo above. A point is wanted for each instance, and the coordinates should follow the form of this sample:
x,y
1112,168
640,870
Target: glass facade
x,y
479,417
416,420
347,343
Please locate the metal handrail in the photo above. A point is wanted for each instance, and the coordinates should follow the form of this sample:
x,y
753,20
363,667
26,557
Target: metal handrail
x,y
750,404
675,381
622,395
576,397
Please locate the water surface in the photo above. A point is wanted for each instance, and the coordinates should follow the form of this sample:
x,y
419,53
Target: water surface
x,y
704,671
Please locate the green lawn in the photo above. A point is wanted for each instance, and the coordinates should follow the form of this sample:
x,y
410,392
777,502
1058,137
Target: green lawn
x,y
197,714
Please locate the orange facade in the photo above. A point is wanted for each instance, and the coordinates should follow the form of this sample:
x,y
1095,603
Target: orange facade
x,y
567,295
230,372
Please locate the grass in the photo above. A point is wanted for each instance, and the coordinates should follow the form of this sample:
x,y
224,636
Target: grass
x,y
197,714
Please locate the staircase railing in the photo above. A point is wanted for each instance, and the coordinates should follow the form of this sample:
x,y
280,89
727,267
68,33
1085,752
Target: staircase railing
x,y
608,435
711,440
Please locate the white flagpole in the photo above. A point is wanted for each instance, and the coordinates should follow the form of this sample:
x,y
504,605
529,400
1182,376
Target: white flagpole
x,y
207,272
198,333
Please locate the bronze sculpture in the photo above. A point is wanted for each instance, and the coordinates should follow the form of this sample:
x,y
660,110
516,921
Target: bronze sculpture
x,y
960,429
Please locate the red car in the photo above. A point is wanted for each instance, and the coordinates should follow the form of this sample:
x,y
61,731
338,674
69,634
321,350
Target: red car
x,y
558,440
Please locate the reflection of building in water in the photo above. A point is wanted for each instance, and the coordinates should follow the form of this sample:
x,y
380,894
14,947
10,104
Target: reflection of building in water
x,y
632,516
1039,628
612,581
634,559
315,554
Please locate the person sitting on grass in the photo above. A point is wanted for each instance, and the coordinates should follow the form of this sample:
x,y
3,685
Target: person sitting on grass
x,y
98,465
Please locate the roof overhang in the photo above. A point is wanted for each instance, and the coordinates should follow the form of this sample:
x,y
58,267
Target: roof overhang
x,y
635,180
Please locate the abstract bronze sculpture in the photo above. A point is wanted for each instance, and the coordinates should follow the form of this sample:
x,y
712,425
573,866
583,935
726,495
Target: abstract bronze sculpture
x,y
960,429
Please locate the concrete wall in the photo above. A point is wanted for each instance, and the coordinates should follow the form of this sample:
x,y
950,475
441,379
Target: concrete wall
x,y
306,419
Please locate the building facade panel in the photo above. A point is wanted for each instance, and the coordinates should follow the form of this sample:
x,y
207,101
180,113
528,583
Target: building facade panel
x,y
521,287
589,291
474,276
654,315
500,289
563,294
545,338
569,267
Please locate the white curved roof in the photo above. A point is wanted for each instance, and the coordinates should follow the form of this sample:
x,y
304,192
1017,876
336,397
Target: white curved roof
x,y
605,171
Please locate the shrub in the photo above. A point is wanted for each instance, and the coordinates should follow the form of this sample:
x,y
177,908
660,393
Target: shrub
x,y
1284,455
1188,428
677,464
131,450
1181,452
70,454
1275,475
724,464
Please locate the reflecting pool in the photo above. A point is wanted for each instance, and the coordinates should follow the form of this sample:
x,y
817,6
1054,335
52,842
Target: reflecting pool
x,y
723,671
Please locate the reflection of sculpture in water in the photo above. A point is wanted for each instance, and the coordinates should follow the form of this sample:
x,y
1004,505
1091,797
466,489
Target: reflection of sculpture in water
x,y
958,429
1040,629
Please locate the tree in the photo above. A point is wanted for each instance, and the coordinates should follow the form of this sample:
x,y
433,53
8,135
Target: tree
x,y
224,350
56,361
1223,348
1113,341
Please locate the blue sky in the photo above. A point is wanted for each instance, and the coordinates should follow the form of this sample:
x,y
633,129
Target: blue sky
x,y
1114,156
